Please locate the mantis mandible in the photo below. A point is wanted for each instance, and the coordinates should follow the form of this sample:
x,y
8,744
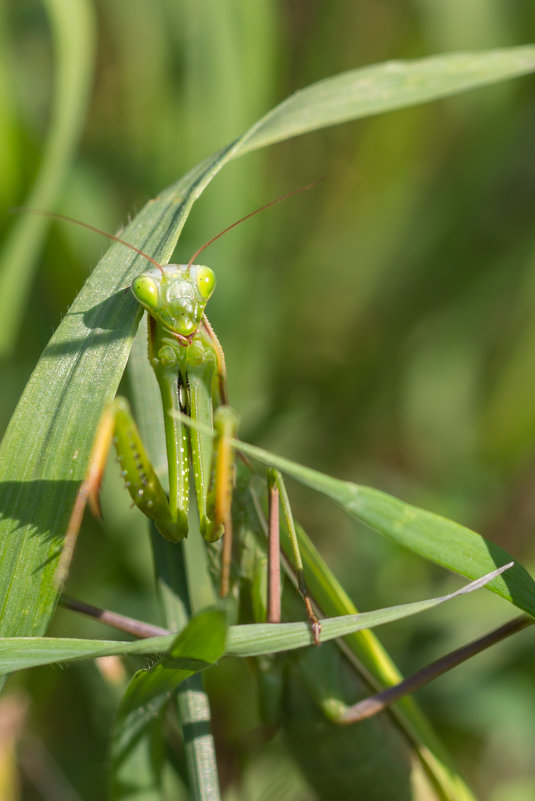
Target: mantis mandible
x,y
189,366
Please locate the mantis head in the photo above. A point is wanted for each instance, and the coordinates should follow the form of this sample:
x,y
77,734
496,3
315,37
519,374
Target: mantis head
x,y
175,296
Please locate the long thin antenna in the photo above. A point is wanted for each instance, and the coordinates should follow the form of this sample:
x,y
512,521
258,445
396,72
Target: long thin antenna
x,y
251,214
64,217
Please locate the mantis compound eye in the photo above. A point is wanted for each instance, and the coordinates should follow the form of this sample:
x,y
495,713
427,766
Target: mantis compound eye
x,y
145,290
205,279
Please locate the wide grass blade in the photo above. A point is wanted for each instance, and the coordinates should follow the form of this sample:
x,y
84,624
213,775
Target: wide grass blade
x,y
46,447
44,453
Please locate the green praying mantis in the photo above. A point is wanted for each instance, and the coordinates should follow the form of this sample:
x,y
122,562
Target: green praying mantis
x,y
189,366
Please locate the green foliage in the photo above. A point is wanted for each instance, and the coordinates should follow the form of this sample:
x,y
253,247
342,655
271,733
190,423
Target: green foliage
x,y
387,316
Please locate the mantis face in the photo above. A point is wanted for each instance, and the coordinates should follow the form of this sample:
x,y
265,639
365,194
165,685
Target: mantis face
x,y
176,297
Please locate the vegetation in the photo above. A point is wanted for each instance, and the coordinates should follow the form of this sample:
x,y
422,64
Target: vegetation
x,y
378,329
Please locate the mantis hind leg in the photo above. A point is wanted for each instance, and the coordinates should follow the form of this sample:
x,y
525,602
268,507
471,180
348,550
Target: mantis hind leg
x,y
277,490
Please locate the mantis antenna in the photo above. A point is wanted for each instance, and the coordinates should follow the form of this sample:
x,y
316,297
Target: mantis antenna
x,y
55,215
64,217
252,214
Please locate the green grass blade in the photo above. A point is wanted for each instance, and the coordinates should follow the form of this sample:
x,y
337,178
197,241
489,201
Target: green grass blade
x,y
386,87
44,453
197,647
434,537
18,653
73,36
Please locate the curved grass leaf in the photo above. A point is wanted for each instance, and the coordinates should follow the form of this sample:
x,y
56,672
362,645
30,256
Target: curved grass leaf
x,y
17,653
44,453
72,27
197,647
386,87
430,535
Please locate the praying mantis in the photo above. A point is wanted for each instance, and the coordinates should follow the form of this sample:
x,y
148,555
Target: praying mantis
x,y
173,528
189,365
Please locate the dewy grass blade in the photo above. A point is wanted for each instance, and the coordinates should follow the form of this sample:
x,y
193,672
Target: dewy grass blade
x,y
77,374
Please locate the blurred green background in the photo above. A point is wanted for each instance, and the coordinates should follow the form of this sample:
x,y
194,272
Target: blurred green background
x,y
379,328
